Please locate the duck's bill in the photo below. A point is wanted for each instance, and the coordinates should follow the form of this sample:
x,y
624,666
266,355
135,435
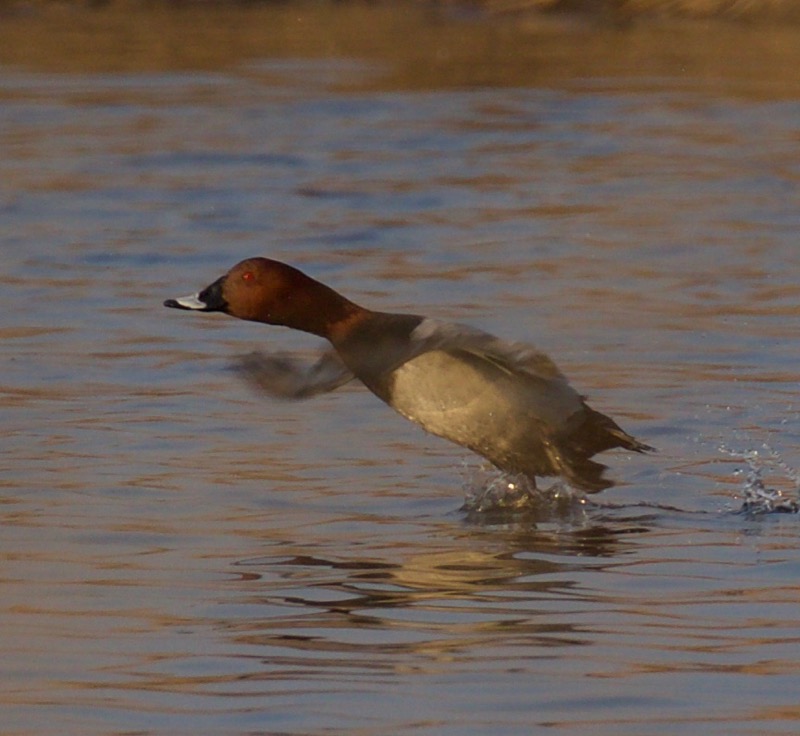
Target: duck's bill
x,y
192,301
209,299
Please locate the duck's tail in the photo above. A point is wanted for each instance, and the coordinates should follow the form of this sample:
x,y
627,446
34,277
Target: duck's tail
x,y
596,433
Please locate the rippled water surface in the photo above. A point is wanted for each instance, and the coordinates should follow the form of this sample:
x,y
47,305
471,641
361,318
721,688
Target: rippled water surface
x,y
182,556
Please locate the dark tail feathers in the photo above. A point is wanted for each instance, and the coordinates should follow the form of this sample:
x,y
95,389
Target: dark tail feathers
x,y
596,433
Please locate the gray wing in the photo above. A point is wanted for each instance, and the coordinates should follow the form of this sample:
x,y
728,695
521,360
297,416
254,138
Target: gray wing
x,y
432,334
555,399
284,376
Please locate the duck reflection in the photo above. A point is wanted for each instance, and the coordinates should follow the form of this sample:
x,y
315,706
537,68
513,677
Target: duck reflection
x,y
488,587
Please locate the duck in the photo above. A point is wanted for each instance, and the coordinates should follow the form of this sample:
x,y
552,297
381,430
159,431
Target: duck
x,y
505,401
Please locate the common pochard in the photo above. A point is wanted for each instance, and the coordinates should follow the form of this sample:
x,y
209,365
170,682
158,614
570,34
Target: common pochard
x,y
503,400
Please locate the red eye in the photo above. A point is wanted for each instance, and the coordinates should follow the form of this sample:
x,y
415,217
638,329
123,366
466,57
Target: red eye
x,y
248,276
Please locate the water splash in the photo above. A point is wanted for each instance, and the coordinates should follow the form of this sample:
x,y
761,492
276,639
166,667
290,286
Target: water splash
x,y
765,471
492,494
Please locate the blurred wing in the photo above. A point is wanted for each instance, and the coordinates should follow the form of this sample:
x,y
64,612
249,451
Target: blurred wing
x,y
284,376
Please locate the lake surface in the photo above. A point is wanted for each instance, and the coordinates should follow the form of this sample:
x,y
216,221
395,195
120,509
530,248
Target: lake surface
x,y
182,556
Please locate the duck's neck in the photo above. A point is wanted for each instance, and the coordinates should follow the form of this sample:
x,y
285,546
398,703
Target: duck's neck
x,y
313,307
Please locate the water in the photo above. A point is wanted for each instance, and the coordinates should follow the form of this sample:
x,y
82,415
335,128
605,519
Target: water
x,y
180,555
